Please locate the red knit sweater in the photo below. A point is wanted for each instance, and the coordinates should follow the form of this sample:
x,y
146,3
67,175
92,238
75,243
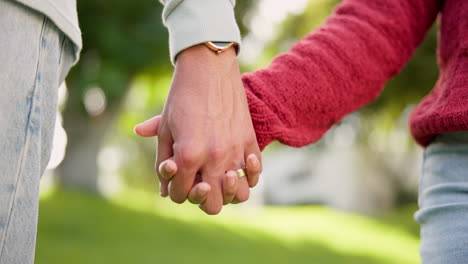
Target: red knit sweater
x,y
345,64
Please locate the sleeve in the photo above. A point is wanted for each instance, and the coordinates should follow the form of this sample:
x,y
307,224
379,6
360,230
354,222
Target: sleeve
x,y
337,69
191,22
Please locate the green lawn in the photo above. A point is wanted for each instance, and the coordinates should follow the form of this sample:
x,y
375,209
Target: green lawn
x,y
83,229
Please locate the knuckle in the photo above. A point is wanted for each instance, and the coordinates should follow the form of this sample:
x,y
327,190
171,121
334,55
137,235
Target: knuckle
x,y
188,157
251,140
217,152
236,147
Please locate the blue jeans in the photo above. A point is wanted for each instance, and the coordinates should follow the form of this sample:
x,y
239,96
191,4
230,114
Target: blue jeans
x,y
443,200
34,59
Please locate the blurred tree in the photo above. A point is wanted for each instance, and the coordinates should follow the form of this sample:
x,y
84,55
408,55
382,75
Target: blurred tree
x,y
122,39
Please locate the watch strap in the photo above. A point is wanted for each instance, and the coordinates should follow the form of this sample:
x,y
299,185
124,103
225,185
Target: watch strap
x,y
219,46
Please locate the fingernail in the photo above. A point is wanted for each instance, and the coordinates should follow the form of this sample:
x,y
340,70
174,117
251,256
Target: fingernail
x,y
202,191
162,170
170,168
253,160
231,180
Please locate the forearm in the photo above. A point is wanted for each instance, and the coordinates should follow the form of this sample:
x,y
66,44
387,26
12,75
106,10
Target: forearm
x,y
337,69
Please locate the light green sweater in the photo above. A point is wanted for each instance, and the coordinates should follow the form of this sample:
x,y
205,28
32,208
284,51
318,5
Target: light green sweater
x,y
189,22
192,22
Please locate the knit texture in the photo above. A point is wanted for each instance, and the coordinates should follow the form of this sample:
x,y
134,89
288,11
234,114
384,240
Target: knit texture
x,y
445,109
345,64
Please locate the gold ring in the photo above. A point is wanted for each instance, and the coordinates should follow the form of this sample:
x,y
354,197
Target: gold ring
x,y
241,173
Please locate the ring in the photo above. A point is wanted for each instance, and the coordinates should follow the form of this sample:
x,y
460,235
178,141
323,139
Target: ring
x,y
240,173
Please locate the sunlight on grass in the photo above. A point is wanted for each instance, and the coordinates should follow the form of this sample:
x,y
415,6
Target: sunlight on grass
x,y
139,224
343,232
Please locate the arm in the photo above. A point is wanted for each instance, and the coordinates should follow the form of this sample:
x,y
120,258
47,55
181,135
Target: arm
x,y
205,128
337,69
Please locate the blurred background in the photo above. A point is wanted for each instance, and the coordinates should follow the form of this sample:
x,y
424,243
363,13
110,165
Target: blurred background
x,y
349,198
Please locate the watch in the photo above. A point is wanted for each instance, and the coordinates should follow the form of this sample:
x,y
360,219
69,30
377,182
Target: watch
x,y
220,46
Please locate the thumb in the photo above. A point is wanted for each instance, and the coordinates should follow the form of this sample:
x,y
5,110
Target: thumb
x,y
149,128
168,168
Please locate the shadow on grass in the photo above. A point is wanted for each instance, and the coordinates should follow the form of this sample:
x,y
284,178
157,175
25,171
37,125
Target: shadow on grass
x,y
75,228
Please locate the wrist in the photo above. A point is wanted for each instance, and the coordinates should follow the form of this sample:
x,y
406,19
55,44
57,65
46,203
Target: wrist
x,y
193,22
200,54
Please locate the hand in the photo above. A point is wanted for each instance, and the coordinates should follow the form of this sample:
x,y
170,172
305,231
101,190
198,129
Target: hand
x,y
206,126
199,192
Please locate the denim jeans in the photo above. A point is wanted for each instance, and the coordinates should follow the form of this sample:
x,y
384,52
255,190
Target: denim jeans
x,y
34,59
443,200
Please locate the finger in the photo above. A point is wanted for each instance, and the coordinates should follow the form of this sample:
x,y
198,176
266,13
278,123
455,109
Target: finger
x,y
167,169
214,201
253,170
164,153
199,193
253,149
187,161
181,184
229,187
149,128
243,191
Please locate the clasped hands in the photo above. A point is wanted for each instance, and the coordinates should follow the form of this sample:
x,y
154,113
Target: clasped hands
x,y
205,133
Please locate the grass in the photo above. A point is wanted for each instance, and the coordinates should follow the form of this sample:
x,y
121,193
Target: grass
x,y
79,228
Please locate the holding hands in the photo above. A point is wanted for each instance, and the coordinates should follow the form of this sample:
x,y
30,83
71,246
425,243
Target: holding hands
x,y
205,133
